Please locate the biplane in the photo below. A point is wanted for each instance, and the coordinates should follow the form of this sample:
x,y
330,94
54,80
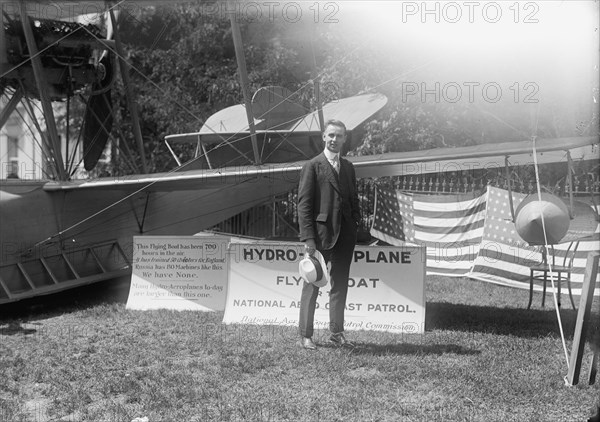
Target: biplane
x,y
59,233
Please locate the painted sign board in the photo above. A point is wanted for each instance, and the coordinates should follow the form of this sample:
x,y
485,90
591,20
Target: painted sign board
x,y
386,287
179,272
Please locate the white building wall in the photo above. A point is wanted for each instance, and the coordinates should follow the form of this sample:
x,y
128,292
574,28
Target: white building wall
x,y
30,162
25,159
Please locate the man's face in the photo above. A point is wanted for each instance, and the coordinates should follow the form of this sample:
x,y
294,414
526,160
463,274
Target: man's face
x,y
334,138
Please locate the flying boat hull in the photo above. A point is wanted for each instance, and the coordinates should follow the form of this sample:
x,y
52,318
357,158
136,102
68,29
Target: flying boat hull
x,y
54,240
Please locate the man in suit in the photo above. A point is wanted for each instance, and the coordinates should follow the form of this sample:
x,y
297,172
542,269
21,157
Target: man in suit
x,y
328,217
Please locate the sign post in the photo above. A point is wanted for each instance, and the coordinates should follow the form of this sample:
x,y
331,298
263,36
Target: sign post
x,y
583,316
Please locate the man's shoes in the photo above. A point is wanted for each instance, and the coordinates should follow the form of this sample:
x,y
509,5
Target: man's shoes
x,y
308,344
338,339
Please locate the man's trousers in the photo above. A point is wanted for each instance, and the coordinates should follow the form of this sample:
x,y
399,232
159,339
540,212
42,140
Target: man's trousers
x,y
339,259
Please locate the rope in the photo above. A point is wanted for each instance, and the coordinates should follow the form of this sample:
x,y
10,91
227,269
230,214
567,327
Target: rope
x,y
539,192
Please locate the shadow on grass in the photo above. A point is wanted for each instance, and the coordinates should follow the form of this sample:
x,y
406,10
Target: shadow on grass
x,y
15,328
407,349
109,291
505,321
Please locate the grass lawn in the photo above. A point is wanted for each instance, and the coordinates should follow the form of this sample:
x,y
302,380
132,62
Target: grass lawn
x,y
483,357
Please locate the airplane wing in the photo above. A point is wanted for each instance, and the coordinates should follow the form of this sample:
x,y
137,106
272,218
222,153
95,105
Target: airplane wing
x,y
186,180
232,121
353,111
390,164
484,156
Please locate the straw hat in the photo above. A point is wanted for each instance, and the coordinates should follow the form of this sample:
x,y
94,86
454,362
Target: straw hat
x,y
314,270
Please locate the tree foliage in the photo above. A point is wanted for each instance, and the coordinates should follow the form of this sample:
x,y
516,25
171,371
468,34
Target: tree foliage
x,y
183,69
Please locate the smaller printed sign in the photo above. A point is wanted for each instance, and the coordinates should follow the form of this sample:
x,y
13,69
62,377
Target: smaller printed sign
x,y
179,272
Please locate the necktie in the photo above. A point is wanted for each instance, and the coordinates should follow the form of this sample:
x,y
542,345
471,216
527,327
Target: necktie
x,y
336,164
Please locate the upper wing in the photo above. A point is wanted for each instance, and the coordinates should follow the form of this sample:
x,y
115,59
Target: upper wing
x,y
484,156
232,121
353,111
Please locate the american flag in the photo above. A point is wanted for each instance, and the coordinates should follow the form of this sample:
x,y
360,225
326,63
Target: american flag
x,y
504,258
469,236
451,226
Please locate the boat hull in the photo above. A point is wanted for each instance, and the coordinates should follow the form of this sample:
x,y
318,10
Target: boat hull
x,y
57,240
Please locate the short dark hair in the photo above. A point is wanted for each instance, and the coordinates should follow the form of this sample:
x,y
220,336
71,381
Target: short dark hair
x,y
333,122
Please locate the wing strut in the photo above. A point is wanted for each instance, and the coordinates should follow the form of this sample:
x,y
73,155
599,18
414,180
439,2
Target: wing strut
x,y
40,79
124,68
316,79
241,62
10,107
510,198
570,181
4,65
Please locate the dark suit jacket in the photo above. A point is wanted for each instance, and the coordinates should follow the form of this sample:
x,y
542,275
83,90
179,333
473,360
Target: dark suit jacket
x,y
323,196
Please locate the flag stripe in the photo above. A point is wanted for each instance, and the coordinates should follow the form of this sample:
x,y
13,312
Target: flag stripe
x,y
439,202
457,272
455,260
454,213
500,273
452,229
450,252
445,222
498,256
429,238
387,238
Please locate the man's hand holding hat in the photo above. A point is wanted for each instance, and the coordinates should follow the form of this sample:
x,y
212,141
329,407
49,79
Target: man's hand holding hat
x,y
314,269
310,246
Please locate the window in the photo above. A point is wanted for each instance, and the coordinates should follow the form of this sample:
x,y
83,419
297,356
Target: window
x,y
12,167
